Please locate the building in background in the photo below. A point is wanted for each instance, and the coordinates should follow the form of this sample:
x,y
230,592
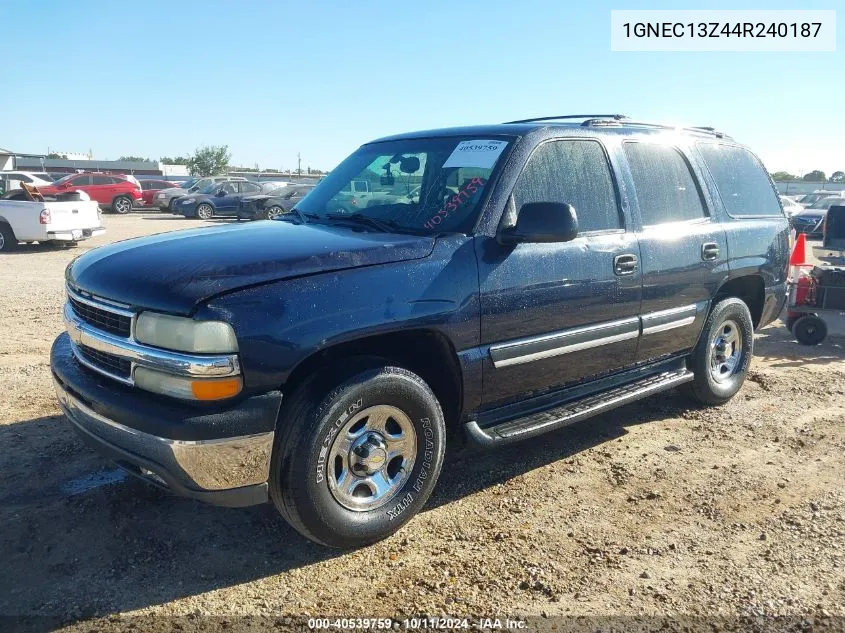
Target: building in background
x,y
10,160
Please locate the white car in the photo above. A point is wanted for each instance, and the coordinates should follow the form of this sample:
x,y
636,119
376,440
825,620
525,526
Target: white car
x,y
66,221
12,180
790,206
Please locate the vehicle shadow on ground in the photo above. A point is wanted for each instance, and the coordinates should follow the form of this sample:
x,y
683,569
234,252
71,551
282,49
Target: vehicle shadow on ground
x,y
778,346
81,540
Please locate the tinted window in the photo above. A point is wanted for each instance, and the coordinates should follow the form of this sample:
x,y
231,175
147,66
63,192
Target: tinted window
x,y
81,181
666,188
742,182
102,180
574,172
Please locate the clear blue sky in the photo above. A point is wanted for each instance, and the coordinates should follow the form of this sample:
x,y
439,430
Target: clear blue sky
x,y
270,79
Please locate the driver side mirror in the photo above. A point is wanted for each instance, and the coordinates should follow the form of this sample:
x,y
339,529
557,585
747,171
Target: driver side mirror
x,y
542,222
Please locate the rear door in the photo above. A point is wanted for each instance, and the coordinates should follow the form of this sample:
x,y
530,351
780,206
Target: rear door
x,y
557,314
102,188
684,253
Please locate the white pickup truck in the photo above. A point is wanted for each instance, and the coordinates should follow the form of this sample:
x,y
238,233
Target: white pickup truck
x,y
65,222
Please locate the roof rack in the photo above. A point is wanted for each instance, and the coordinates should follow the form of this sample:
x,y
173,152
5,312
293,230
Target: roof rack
x,y
701,129
616,117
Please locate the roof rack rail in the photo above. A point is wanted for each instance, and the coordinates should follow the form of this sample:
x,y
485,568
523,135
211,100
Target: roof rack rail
x,y
616,117
700,128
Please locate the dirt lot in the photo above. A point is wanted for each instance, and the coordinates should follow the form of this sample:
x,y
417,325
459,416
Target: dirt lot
x,y
655,508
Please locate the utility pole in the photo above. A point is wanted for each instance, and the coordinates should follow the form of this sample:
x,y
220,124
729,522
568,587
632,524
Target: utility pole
x,y
298,164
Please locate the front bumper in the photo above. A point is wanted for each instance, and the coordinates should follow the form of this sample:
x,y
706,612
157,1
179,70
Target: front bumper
x,y
220,456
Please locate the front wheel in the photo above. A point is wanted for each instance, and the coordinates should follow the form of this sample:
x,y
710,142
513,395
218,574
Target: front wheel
x,y
721,359
274,212
358,456
205,212
122,205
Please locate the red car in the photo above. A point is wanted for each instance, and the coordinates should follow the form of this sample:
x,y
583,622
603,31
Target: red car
x,y
111,191
149,188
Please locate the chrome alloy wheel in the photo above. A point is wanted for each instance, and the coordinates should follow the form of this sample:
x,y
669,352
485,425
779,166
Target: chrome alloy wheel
x,y
371,458
122,205
725,351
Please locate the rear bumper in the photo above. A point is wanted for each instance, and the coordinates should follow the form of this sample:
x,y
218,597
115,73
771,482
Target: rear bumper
x,y
220,456
71,236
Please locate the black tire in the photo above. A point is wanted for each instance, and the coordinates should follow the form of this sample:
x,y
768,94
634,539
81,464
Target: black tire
x,y
717,382
810,330
122,205
171,206
790,322
311,422
205,211
8,241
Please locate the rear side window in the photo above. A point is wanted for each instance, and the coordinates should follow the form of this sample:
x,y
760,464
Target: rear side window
x,y
103,180
666,188
575,172
741,180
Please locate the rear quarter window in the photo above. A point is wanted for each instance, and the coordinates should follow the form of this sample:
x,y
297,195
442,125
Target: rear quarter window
x,y
742,183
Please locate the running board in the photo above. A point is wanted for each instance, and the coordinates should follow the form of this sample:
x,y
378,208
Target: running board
x,y
573,411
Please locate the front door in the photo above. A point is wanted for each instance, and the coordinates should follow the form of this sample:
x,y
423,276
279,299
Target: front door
x,y
683,250
557,314
227,204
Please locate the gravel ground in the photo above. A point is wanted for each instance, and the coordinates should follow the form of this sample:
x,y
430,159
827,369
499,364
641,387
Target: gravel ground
x,y
655,509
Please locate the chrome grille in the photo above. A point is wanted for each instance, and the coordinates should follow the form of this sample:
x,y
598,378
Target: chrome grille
x,y
108,363
102,319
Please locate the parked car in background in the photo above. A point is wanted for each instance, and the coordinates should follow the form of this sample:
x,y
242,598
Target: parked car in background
x,y
150,187
67,220
810,221
12,179
267,205
790,206
112,192
811,198
165,199
219,198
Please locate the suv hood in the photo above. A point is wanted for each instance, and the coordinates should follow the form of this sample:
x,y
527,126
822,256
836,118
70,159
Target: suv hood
x,y
175,271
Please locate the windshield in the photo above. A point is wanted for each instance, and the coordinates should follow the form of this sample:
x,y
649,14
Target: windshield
x,y
826,203
430,185
190,182
64,179
211,187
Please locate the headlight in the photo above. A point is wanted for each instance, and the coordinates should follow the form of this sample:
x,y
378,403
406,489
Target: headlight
x,y
187,388
185,335
187,201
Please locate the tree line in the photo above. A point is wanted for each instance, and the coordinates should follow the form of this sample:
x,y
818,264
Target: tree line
x,y
817,175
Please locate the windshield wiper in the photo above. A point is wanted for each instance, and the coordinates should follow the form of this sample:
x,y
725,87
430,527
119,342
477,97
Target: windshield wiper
x,y
385,226
303,217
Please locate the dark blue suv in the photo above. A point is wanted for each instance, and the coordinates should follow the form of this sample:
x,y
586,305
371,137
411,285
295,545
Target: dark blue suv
x,y
502,281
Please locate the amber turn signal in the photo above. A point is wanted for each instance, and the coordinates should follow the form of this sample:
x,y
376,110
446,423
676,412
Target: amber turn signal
x,y
217,389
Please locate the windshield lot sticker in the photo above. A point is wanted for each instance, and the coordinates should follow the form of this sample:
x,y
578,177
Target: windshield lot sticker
x,y
481,154
454,203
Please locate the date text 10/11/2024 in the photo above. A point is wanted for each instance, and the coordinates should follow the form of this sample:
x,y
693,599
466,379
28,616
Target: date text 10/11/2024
x,y
417,623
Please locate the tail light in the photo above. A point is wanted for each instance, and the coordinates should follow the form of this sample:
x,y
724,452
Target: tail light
x,y
45,217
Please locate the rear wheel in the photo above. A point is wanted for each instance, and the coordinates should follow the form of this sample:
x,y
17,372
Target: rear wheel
x,y
810,330
205,212
359,455
8,241
722,356
122,205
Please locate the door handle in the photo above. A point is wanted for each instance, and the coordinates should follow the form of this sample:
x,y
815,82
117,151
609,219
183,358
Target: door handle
x,y
625,264
709,251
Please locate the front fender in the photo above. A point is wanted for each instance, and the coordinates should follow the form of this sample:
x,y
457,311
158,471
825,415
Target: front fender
x,y
279,325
